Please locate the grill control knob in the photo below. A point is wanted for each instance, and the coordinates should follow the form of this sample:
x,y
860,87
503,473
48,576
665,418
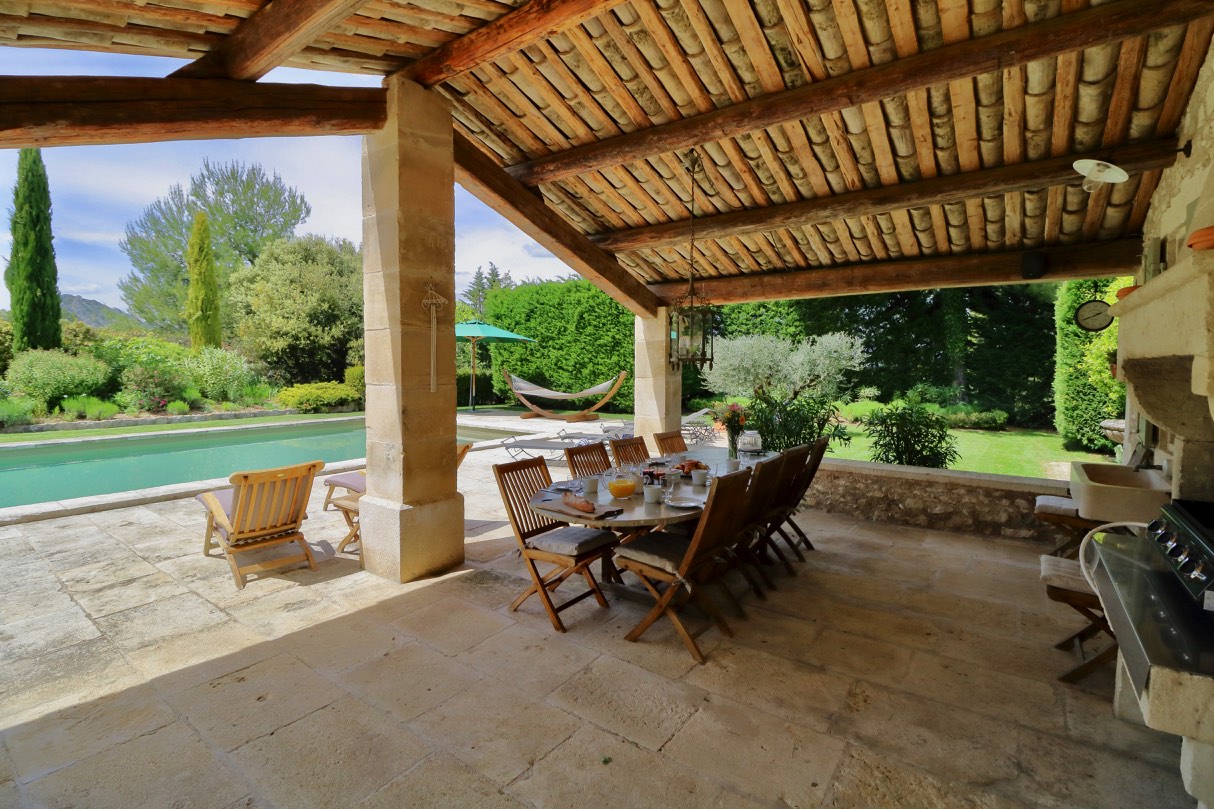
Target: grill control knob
x,y
1178,552
1199,573
1168,540
1158,528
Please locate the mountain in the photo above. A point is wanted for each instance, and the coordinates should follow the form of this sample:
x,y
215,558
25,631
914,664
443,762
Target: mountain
x,y
97,314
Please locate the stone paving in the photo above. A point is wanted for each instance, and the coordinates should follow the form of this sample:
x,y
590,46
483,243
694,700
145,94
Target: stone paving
x,y
901,667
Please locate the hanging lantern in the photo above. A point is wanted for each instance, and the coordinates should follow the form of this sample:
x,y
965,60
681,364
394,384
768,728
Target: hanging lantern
x,y
693,320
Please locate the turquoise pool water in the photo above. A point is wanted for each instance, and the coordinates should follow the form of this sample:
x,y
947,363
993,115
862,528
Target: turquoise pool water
x,y
63,470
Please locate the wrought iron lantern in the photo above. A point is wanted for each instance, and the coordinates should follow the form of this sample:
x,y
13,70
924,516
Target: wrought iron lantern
x,y
692,319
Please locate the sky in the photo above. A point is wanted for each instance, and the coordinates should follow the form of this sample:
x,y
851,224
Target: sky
x,y
97,190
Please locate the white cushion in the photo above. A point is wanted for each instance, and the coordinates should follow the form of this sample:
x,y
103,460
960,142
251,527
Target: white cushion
x,y
659,549
1062,506
572,540
1064,574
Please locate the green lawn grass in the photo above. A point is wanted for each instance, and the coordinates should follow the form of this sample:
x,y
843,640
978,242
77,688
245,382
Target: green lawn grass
x,y
71,435
1027,453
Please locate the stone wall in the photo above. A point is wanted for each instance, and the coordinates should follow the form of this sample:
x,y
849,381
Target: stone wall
x,y
991,505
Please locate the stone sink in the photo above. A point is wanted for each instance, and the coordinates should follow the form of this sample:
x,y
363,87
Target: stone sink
x,y
1114,493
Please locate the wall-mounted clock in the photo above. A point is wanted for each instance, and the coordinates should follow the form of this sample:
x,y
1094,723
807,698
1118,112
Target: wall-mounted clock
x,y
1093,315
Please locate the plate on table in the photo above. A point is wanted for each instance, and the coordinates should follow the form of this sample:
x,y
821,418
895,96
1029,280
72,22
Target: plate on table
x,y
565,486
685,502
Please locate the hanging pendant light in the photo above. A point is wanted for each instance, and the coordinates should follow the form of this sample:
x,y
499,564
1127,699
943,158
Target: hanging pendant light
x,y
692,319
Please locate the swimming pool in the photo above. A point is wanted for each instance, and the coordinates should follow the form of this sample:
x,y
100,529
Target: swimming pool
x,y
61,470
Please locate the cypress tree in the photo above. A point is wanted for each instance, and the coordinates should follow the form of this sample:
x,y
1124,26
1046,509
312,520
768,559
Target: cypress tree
x,y
31,276
202,300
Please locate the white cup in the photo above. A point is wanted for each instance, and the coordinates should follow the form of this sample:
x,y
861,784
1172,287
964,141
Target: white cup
x,y
653,494
732,464
590,486
699,477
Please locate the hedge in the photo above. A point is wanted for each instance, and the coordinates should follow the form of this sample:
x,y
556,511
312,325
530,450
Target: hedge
x,y
485,392
314,397
51,376
1083,399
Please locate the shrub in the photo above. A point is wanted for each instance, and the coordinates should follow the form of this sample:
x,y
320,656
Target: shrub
x,y
228,407
802,421
356,377
217,373
6,345
121,353
192,397
79,337
912,435
97,410
16,412
943,395
858,411
257,394
316,396
150,388
177,408
50,376
72,407
970,418
484,387
868,393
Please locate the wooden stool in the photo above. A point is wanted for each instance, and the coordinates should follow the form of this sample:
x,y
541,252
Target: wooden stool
x,y
1064,583
347,504
1063,513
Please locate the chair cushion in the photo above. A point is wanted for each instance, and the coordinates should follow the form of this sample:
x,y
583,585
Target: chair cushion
x,y
659,549
1062,506
354,481
1064,574
225,498
572,540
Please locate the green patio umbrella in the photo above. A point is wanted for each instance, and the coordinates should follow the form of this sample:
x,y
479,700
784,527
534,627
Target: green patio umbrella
x,y
476,332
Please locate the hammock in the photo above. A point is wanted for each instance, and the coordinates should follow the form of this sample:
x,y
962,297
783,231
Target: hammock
x,y
522,389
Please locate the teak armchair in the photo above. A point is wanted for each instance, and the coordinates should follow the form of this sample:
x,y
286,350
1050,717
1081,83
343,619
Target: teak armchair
x,y
630,451
262,509
587,460
542,539
670,443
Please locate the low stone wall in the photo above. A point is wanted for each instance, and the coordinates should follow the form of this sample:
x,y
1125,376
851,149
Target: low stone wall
x,y
53,426
992,505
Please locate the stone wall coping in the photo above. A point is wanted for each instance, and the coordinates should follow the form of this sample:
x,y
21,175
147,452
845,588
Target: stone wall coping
x,y
112,424
157,433
953,477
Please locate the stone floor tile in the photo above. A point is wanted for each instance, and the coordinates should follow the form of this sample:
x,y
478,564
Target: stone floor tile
x,y
488,588
343,642
779,761
946,741
533,661
453,625
993,693
125,595
1016,590
163,550
440,782
635,703
497,730
774,632
996,618
150,624
1010,655
99,575
335,756
1090,720
868,780
175,767
858,656
75,732
220,588
284,611
356,590
408,681
63,677
107,550
238,707
880,578
27,603
485,549
593,764
47,632
659,650
182,657
778,686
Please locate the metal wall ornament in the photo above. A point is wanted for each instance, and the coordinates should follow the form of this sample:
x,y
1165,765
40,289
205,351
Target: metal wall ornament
x,y
693,320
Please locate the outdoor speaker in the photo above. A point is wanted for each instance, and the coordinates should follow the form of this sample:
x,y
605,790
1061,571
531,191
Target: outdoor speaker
x,y
1033,265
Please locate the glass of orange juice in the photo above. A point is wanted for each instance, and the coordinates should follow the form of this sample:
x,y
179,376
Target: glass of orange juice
x,y
622,486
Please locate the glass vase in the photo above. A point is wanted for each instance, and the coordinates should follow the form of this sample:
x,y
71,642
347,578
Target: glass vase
x,y
732,438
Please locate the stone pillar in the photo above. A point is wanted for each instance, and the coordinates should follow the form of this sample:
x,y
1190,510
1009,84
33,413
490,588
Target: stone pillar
x,y
412,516
658,389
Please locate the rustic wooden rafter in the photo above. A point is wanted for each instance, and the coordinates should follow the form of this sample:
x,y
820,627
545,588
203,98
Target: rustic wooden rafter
x,y
1134,158
1080,261
271,36
86,110
537,20
1063,34
480,175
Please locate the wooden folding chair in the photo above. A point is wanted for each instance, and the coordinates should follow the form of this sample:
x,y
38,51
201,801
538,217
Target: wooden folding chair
x,y
1064,583
262,509
670,443
753,536
674,569
587,460
781,506
571,549
798,489
630,451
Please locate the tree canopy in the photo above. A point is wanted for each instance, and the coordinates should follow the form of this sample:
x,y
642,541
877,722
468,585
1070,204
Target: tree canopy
x,y
247,210
202,302
31,275
299,307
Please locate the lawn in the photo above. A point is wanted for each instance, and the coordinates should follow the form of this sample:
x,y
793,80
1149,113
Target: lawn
x,y
1027,453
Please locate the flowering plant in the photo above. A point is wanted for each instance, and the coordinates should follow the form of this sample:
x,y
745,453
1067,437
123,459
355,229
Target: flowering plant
x,y
732,417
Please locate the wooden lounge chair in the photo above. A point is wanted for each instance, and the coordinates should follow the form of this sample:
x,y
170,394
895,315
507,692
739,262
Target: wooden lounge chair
x,y
262,509
587,460
356,482
630,451
571,549
670,443
522,390
672,567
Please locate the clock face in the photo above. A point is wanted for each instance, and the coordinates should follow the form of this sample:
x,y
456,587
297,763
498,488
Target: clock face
x,y
1093,316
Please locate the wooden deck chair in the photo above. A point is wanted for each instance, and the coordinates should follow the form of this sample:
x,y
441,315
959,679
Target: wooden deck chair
x,y
674,569
571,549
800,486
356,482
262,509
670,443
753,536
795,460
587,460
522,390
630,451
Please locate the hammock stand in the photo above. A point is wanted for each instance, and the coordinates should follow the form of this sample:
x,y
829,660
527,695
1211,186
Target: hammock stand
x,y
521,389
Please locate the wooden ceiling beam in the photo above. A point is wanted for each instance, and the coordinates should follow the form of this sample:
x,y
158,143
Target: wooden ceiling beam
x,y
480,175
1107,23
1078,261
538,19
1133,157
270,36
87,110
